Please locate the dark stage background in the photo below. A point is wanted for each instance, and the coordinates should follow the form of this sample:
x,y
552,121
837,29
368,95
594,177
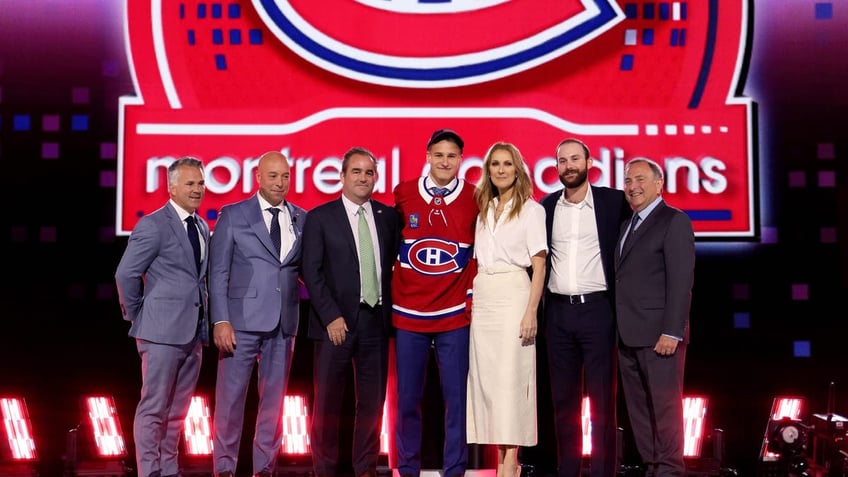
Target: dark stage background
x,y
768,317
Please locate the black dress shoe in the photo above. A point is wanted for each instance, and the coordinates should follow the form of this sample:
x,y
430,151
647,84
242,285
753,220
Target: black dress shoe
x,y
264,473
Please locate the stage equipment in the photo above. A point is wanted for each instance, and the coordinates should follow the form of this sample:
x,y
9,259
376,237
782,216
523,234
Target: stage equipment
x,y
196,456
18,455
97,446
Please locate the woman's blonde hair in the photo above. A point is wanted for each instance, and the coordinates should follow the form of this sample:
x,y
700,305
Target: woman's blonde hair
x,y
486,190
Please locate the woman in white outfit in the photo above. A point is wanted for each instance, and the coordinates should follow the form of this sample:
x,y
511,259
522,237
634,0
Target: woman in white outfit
x,y
510,240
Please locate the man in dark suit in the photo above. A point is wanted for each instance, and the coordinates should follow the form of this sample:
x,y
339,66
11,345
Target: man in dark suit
x,y
255,257
350,313
161,281
655,272
582,223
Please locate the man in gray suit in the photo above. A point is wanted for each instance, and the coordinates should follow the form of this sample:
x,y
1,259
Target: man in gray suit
x,y
253,289
654,274
161,281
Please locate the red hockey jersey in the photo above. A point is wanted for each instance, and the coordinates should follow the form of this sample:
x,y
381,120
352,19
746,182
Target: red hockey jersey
x,y
432,279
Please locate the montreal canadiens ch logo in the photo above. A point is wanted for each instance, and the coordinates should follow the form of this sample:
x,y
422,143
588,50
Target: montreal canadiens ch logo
x,y
426,44
433,256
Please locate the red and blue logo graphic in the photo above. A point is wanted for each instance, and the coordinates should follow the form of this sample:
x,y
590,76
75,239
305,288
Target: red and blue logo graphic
x,y
228,81
424,44
434,256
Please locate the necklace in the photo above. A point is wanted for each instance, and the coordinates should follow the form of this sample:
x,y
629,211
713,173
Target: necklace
x,y
499,209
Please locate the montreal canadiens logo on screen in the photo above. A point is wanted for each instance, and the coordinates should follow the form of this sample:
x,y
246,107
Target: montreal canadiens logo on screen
x,y
430,44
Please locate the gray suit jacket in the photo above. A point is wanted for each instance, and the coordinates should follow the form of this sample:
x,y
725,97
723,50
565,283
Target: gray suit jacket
x,y
248,284
654,275
159,287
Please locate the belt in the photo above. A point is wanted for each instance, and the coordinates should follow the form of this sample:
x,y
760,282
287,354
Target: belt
x,y
584,298
500,269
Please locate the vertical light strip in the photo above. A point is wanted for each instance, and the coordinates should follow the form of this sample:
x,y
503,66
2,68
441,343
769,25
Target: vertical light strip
x,y
586,425
108,436
295,429
17,428
198,430
694,413
384,430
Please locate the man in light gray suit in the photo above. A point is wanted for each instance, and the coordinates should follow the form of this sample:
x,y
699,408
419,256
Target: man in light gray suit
x,y
654,275
161,281
255,257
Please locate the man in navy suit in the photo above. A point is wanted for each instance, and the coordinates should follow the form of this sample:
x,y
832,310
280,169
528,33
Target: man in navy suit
x,y
350,323
161,281
582,223
253,291
655,272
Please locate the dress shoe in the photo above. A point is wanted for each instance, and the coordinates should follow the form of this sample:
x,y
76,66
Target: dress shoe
x,y
264,473
368,473
226,473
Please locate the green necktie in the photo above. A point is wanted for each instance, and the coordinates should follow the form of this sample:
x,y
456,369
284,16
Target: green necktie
x,y
367,265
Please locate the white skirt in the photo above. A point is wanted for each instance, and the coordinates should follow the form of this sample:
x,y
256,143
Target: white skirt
x,y
501,405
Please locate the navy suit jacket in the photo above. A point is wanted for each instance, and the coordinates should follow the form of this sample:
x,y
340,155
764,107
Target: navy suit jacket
x,y
655,273
248,284
611,210
331,264
159,287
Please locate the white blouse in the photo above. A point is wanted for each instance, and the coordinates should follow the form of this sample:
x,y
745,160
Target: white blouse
x,y
506,244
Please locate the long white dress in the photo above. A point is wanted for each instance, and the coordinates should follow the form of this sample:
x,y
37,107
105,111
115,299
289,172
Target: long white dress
x,y
501,401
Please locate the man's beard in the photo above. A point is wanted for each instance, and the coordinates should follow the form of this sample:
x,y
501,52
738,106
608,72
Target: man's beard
x,y
577,181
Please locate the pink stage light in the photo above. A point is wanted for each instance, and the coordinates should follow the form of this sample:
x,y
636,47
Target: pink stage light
x,y
783,407
586,425
295,426
17,430
694,413
108,436
198,430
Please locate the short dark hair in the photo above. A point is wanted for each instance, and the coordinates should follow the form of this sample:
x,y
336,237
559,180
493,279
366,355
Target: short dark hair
x,y
574,141
356,150
443,135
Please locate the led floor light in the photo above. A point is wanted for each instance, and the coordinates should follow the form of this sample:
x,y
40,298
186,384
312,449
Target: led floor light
x,y
196,452
18,454
97,446
694,413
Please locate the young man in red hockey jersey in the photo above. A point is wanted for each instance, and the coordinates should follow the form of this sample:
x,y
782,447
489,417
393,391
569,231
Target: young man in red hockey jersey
x,y
431,293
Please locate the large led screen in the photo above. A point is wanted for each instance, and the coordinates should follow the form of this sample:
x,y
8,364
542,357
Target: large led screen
x,y
227,81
